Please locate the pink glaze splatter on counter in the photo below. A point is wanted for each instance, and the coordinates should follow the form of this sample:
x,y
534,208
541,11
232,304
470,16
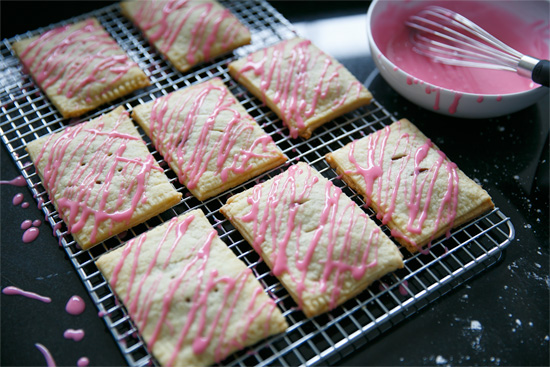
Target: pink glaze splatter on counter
x,y
18,199
47,355
286,195
194,275
10,291
18,181
26,224
290,81
76,335
174,17
75,305
170,137
392,38
76,70
30,234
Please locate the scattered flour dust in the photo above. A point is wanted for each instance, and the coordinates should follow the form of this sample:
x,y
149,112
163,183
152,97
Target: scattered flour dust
x,y
440,360
475,325
475,330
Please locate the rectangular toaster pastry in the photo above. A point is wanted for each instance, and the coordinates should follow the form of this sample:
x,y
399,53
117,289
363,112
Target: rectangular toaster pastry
x,y
304,86
414,188
187,32
208,138
321,246
193,301
79,67
101,177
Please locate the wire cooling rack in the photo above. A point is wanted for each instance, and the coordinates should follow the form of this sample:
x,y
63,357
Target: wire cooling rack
x,y
26,114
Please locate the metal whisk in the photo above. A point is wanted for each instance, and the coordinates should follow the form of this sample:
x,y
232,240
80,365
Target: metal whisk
x,y
450,38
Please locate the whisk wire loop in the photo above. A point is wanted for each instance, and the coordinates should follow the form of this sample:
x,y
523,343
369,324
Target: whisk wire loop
x,y
450,38
468,26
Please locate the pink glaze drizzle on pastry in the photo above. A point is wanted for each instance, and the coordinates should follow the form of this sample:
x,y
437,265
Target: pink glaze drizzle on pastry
x,y
81,68
193,275
170,138
286,196
288,78
94,168
416,191
165,31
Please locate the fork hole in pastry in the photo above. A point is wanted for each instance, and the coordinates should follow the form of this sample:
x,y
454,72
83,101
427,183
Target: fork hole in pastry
x,y
98,182
421,170
399,156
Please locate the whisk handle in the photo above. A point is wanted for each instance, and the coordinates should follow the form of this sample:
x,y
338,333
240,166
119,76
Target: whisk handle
x,y
541,73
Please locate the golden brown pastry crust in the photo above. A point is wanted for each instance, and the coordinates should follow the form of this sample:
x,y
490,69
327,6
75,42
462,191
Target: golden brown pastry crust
x,y
191,32
414,188
323,248
101,177
192,300
208,138
304,86
80,67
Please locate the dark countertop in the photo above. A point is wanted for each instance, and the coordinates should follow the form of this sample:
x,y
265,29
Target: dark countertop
x,y
500,317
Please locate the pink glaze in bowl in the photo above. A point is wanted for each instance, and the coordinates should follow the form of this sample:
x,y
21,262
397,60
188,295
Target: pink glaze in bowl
x,y
452,90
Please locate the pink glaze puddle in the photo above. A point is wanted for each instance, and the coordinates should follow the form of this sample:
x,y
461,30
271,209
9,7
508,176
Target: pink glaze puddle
x,y
83,362
75,306
76,335
392,37
18,181
11,291
46,353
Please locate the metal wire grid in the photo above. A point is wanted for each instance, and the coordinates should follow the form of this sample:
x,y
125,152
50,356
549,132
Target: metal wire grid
x,y
26,114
